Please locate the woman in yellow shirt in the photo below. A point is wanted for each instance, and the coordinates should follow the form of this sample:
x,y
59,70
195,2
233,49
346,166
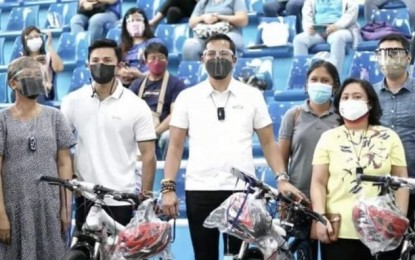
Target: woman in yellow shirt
x,y
360,143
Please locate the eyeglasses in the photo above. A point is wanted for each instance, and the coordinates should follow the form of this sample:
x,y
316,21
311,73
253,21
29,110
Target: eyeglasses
x,y
211,54
391,52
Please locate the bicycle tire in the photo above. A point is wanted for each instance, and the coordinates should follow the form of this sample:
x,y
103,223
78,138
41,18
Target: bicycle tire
x,y
75,255
303,251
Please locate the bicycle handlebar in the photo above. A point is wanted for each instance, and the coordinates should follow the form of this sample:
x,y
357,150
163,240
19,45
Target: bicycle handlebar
x,y
92,188
388,181
275,194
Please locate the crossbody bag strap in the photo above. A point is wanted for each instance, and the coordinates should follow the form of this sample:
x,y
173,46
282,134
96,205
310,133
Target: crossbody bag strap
x,y
162,94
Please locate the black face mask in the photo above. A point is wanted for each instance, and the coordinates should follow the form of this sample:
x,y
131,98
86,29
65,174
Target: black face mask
x,y
219,68
102,73
32,87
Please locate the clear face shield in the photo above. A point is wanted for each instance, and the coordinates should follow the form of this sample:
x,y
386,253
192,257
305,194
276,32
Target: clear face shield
x,y
218,63
31,82
392,61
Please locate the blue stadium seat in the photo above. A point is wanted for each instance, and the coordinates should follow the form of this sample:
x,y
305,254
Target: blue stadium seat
x,y
3,88
80,76
298,71
277,111
17,50
173,36
1,51
364,66
82,44
66,48
261,67
255,10
394,4
279,51
291,94
7,5
114,34
109,25
397,18
22,17
150,7
59,16
191,72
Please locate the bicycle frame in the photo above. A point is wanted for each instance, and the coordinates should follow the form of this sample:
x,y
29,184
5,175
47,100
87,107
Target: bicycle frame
x,y
95,225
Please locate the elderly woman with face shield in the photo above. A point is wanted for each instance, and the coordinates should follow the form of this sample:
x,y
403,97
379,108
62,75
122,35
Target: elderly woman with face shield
x,y
34,141
396,93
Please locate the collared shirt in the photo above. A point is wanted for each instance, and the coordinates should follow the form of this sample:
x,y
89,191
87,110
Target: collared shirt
x,y
304,133
215,146
108,131
399,114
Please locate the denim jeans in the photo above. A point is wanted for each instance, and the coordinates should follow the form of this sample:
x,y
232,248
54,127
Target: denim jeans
x,y
193,47
371,6
337,40
95,24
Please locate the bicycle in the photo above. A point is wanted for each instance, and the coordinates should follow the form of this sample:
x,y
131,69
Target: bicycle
x,y
92,242
388,183
281,230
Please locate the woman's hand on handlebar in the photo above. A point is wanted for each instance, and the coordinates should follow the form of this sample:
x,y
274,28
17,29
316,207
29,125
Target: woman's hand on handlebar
x,y
285,187
324,232
170,204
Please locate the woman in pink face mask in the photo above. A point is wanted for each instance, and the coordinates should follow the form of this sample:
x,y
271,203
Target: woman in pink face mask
x,y
136,34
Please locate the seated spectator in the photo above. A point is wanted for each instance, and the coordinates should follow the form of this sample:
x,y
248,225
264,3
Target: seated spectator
x,y
273,8
331,21
34,46
136,34
174,11
371,6
159,89
94,15
210,13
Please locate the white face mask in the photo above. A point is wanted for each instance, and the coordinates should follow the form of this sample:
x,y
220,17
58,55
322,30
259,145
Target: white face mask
x,y
353,109
34,44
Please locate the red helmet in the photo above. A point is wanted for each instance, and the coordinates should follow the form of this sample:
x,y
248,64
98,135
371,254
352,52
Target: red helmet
x,y
145,239
246,218
379,228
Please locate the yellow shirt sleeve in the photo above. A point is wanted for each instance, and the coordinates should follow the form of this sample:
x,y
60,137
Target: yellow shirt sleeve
x,y
397,151
321,152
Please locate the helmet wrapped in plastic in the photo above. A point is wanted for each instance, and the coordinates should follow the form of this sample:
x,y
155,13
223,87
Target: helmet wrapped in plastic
x,y
379,223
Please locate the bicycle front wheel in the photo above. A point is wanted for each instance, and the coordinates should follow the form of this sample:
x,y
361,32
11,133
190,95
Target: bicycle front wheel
x,y
75,255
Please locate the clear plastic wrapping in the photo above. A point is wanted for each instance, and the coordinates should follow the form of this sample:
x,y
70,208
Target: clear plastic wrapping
x,y
379,223
243,216
145,236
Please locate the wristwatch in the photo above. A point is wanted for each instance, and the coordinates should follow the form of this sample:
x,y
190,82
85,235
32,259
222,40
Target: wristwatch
x,y
282,176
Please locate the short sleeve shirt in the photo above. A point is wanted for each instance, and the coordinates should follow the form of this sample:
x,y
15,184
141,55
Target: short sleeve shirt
x,y
215,146
379,149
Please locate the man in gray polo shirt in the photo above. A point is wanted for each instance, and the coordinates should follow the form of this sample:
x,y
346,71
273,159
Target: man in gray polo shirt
x,y
397,96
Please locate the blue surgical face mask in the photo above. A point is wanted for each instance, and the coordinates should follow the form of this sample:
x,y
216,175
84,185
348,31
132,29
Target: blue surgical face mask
x,y
319,92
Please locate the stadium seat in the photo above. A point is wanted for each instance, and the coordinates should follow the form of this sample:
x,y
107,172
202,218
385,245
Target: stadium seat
x,y
150,7
394,4
173,36
191,72
7,5
298,71
397,18
1,51
255,10
22,17
17,50
277,111
3,88
66,48
291,94
80,77
260,50
260,67
59,16
364,66
114,34
82,44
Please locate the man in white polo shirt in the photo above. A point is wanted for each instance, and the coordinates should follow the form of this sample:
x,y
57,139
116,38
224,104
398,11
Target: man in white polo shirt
x,y
110,121
219,116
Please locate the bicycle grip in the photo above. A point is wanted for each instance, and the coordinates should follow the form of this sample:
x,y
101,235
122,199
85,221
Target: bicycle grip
x,y
51,179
